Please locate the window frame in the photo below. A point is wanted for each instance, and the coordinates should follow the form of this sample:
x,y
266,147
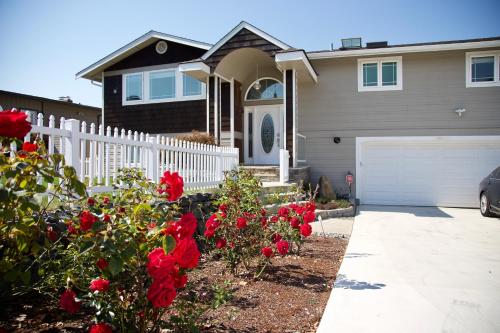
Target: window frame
x,y
267,99
496,68
146,98
379,61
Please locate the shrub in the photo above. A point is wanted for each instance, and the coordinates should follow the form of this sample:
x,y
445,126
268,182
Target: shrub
x,y
243,232
129,253
36,192
198,137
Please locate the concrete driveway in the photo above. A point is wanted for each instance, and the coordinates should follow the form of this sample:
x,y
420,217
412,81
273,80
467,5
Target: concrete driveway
x,y
418,269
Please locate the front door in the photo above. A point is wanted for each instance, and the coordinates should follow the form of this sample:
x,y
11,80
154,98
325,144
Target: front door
x,y
263,133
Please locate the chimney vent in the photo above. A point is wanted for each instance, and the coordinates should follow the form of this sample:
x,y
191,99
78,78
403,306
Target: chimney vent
x,y
66,99
376,45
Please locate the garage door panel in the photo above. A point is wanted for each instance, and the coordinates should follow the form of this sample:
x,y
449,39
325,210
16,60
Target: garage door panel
x,y
424,171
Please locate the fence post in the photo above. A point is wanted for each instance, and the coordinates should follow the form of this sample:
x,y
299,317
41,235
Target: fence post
x,y
284,156
152,159
72,144
218,164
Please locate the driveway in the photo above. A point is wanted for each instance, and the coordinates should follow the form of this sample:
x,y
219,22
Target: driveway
x,y
418,269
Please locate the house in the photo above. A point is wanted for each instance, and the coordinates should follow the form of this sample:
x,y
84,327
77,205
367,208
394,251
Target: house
x,y
415,124
63,107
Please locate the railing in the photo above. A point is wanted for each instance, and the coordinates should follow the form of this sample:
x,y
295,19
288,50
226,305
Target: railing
x,y
284,165
301,149
97,155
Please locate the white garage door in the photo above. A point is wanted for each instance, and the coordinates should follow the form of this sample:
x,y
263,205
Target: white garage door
x,y
424,171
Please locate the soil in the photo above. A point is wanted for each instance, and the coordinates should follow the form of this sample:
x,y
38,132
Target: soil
x,y
289,297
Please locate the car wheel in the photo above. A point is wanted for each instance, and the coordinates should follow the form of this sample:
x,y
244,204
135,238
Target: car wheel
x,y
484,205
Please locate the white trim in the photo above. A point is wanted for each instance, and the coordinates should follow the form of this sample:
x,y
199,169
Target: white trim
x,y
146,99
136,44
197,69
260,79
102,96
247,110
496,68
442,139
216,108
294,128
402,49
231,108
208,103
238,28
289,57
379,62
284,111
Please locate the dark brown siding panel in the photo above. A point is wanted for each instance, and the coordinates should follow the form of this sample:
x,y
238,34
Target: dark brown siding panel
x,y
211,106
238,143
149,57
244,38
225,110
289,114
172,117
238,107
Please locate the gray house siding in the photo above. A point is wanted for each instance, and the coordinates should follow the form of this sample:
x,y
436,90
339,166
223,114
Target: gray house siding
x,y
433,87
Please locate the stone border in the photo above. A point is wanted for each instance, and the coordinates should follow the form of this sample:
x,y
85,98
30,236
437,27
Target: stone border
x,y
338,212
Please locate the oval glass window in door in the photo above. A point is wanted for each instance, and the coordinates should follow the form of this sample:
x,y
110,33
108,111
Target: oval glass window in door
x,y
267,133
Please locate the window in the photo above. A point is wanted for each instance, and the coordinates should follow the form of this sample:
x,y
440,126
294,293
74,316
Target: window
x,y
482,69
380,74
133,91
160,86
264,89
191,86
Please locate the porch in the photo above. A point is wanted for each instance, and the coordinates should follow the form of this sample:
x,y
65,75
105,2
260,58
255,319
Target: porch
x,y
252,84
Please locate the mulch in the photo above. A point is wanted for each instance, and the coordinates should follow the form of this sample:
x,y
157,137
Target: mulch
x,y
289,297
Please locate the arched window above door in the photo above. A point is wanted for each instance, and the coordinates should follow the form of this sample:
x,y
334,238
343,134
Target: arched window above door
x,y
264,89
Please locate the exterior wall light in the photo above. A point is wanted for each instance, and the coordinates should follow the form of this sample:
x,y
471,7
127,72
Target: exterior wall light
x,y
460,111
336,139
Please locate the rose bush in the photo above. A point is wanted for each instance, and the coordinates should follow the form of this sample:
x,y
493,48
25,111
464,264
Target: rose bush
x,y
129,253
243,232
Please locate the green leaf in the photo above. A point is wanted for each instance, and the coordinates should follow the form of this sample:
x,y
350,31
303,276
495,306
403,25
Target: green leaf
x,y
86,245
168,243
25,276
115,265
23,183
129,252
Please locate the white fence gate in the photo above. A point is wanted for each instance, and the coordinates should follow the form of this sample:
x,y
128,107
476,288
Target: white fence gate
x,y
97,155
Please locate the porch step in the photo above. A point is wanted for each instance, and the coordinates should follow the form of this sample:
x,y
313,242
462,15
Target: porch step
x,y
271,192
266,173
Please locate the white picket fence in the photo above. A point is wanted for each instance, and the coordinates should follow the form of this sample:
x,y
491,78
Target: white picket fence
x,y
97,155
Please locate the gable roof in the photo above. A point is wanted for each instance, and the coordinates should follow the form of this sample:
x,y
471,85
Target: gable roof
x,y
149,38
238,28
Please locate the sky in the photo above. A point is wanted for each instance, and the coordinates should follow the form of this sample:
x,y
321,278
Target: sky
x,y
44,43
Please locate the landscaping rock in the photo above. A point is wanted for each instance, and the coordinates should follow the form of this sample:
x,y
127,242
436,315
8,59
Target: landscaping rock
x,y
325,189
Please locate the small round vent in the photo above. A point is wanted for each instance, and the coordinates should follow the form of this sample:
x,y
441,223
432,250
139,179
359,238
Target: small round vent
x,y
161,47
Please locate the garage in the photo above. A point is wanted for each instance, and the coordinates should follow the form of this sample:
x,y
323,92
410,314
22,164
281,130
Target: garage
x,y
424,171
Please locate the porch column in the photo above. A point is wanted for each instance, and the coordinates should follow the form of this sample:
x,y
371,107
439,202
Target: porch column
x,y
216,109
231,110
289,114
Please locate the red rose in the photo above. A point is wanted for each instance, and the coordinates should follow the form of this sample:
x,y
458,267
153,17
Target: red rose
x,y
184,228
276,238
274,218
263,221
263,212
300,210
211,225
90,201
282,247
311,206
295,222
293,206
30,147
106,218
186,253
241,222
160,266
306,230
267,251
102,264
71,228
68,301
220,243
223,207
99,284
101,328
87,220
105,200
223,215
161,293
171,184
180,281
13,124
51,234
309,216
283,212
